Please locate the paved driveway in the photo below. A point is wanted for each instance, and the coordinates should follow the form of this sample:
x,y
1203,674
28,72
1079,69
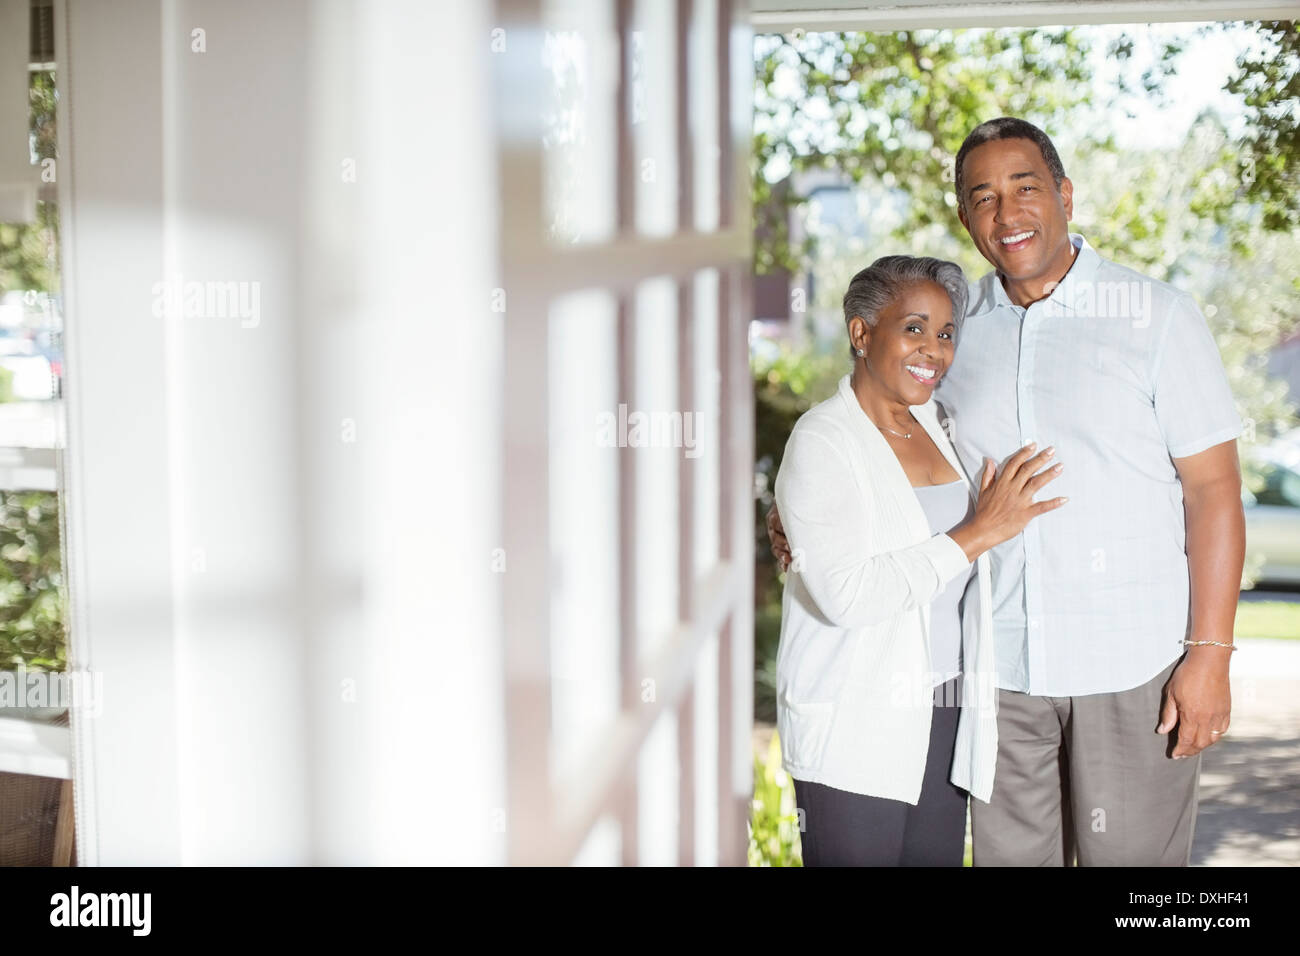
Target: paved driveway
x,y
1250,783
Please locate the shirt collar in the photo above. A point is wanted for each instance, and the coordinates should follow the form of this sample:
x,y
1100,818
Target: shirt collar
x,y
989,293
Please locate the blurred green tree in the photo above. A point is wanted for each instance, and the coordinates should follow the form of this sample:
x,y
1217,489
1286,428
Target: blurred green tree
x,y
1268,81
31,572
894,108
29,251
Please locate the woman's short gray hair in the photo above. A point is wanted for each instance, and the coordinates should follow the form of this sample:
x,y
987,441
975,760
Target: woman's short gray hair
x,y
880,283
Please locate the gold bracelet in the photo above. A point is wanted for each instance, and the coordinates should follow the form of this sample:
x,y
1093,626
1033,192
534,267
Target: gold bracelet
x,y
1231,647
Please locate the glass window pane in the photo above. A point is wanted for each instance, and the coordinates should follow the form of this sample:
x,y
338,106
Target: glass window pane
x,y
708,382
580,51
657,806
584,526
654,116
706,753
654,434
703,101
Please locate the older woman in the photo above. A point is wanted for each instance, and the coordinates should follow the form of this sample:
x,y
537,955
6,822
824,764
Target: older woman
x,y
880,633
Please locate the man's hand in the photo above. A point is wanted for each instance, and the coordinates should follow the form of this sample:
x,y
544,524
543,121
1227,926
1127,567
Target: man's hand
x,y
776,537
1198,700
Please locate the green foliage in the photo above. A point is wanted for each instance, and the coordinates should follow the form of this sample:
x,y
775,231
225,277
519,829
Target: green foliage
x,y
774,820
1279,619
43,98
1268,81
31,575
28,250
895,107
1180,218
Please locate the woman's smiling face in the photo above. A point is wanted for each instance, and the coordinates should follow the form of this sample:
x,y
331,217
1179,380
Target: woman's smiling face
x,y
912,343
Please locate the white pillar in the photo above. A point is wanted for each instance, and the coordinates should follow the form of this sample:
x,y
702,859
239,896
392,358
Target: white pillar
x,y
281,518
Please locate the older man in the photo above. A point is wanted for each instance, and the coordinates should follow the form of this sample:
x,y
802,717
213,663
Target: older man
x,y
1113,617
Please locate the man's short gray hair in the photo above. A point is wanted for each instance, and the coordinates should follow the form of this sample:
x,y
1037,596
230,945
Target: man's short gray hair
x,y
872,289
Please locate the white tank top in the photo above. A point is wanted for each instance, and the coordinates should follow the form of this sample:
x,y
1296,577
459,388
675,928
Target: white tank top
x,y
945,507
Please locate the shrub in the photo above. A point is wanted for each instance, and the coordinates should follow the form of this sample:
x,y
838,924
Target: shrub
x,y
774,818
31,575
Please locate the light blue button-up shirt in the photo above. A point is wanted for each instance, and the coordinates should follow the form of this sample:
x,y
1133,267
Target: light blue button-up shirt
x,y
1121,374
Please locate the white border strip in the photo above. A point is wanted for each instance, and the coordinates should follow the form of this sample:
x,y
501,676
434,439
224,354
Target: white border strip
x,y
781,18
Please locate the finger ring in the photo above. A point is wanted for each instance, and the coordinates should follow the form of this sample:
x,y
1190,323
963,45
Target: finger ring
x,y
1218,731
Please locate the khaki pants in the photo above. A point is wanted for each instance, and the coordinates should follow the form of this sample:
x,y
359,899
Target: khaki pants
x,y
1087,777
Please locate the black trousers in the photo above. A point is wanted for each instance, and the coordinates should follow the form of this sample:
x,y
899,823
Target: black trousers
x,y
850,829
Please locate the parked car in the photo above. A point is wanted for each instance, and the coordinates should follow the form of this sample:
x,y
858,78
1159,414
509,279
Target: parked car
x,y
1273,515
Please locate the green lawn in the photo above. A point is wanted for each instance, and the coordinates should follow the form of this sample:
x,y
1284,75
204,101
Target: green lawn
x,y
1268,619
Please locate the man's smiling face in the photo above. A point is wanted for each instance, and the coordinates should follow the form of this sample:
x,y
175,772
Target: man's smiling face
x,y
1017,216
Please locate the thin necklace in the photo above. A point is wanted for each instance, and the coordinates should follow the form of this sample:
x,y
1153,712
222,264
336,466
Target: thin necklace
x,y
892,432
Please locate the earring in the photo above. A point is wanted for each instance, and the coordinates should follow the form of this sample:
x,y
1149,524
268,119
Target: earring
x,y
861,353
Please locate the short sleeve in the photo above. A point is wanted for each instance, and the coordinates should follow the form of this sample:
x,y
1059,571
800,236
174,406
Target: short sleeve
x,y
1193,402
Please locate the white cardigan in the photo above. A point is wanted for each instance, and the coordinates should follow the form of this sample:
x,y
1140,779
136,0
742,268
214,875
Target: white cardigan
x,y
853,671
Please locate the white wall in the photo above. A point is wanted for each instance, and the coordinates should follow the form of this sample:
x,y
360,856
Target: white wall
x,y
280,525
